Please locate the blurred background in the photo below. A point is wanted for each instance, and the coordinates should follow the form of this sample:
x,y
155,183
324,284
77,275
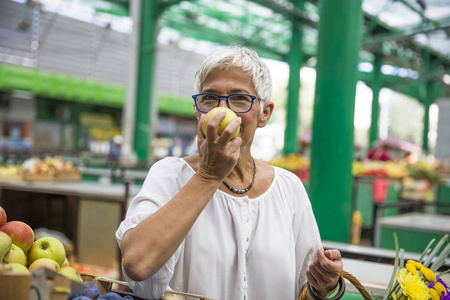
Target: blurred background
x,y
92,93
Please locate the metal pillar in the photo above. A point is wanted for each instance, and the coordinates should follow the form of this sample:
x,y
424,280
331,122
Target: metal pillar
x,y
294,59
144,84
426,99
332,139
376,87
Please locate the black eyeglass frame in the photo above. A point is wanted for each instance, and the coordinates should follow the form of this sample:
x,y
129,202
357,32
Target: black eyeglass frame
x,y
226,99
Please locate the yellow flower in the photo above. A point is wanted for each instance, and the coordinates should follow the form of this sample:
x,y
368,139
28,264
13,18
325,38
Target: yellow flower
x,y
428,274
440,288
394,296
415,264
412,286
411,269
434,294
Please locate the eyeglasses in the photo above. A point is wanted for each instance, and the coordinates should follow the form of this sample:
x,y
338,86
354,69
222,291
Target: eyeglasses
x,y
239,103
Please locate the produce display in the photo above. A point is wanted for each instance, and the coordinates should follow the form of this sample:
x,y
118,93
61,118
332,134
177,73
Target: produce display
x,y
23,254
432,170
377,168
297,163
37,169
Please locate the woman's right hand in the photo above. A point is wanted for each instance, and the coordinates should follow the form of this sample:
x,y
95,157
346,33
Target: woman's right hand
x,y
218,153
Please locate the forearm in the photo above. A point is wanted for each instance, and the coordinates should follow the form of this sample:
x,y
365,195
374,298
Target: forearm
x,y
148,246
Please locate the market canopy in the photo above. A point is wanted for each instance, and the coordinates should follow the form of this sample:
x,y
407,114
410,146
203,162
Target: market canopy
x,y
404,33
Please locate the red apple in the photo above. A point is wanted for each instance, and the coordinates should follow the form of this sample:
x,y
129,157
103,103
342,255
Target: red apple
x,y
45,262
21,234
3,219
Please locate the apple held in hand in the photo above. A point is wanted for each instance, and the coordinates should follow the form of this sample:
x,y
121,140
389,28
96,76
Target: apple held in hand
x,y
3,218
47,247
21,234
5,246
45,262
230,115
16,256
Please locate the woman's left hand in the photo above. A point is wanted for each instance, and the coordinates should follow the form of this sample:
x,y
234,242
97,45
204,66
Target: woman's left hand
x,y
323,274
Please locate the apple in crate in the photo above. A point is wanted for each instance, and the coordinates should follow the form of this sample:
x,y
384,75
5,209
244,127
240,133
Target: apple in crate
x,y
71,273
21,234
2,216
65,263
45,262
18,268
47,247
5,246
16,256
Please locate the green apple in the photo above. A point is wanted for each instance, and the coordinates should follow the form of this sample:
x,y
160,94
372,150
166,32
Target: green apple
x,y
21,234
5,246
71,273
45,262
65,263
18,268
230,115
3,218
47,247
16,256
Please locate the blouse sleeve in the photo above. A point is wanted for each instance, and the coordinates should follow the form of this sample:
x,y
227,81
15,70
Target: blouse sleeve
x,y
160,186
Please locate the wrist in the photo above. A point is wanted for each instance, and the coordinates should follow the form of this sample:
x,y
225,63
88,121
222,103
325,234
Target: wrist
x,y
316,295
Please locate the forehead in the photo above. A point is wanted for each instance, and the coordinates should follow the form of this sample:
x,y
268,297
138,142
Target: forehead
x,y
230,78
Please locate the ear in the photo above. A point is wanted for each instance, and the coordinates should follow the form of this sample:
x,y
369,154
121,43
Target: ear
x,y
266,113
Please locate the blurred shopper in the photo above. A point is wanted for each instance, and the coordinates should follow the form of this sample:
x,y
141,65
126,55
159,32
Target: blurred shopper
x,y
221,223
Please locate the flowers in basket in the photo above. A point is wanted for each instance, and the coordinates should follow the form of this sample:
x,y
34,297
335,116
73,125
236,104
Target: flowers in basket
x,y
420,280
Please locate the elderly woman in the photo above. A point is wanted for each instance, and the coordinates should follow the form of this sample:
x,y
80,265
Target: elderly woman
x,y
221,223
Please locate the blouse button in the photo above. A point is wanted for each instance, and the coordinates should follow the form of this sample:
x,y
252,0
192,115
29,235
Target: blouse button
x,y
248,220
248,239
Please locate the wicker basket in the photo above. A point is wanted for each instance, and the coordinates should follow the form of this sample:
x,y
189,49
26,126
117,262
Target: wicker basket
x,y
349,277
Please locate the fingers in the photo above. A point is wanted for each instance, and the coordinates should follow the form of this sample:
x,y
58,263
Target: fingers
x,y
324,272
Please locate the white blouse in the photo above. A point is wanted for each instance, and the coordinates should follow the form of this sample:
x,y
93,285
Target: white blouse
x,y
238,248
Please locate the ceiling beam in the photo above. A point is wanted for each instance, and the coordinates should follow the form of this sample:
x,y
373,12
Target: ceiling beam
x,y
443,23
288,11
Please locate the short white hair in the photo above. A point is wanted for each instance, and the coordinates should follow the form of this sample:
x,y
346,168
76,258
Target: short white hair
x,y
240,57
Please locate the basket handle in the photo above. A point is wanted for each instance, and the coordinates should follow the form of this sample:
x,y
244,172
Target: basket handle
x,y
349,277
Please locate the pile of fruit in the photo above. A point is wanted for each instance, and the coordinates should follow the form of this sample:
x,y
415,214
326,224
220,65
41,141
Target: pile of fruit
x,y
425,170
48,167
23,254
377,168
10,171
296,163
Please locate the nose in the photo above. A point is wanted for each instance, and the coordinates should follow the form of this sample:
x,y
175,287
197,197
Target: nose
x,y
223,102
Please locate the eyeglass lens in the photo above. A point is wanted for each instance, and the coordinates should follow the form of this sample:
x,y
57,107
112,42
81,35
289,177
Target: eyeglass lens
x,y
237,103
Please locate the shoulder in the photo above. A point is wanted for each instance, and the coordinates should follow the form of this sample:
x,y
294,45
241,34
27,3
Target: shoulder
x,y
170,168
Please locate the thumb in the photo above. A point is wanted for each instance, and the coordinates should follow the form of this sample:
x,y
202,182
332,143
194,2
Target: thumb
x,y
332,254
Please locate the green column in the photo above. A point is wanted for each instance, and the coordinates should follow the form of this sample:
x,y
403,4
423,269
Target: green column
x,y
294,60
376,87
426,99
144,90
332,139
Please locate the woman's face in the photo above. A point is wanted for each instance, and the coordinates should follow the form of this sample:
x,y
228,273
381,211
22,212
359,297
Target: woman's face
x,y
236,81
